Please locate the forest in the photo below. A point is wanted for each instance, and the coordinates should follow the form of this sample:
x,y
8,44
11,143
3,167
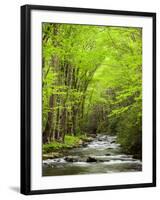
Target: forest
x,y
91,84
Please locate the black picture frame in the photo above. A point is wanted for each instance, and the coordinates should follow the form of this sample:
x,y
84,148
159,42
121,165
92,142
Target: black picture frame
x,y
26,98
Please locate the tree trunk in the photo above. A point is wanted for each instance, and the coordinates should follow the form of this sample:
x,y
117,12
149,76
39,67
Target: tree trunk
x,y
47,131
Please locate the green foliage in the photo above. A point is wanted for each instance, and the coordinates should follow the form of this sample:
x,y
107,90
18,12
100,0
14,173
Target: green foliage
x,y
92,83
70,142
130,133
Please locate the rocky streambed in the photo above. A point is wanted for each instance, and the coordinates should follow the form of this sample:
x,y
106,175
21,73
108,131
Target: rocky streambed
x,y
102,155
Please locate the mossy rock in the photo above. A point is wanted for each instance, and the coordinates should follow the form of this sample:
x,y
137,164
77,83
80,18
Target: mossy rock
x,y
52,155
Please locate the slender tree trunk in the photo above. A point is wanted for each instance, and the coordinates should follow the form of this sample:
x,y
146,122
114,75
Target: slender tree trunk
x,y
57,125
49,124
63,125
74,120
47,131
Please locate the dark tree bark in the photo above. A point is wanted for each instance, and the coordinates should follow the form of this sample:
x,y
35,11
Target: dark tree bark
x,y
48,127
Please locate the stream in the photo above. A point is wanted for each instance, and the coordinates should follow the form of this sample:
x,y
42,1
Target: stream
x,y
102,155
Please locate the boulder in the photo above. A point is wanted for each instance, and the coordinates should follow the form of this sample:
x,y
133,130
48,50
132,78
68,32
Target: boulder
x,y
103,160
84,144
51,155
108,154
100,139
71,159
91,159
80,143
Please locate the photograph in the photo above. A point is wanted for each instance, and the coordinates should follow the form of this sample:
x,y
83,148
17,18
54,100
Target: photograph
x,y
91,99
88,99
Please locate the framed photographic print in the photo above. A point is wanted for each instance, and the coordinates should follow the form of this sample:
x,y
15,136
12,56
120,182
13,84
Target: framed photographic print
x,y
88,99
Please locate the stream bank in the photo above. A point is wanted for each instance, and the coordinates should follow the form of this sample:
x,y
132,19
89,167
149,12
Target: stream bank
x,y
101,155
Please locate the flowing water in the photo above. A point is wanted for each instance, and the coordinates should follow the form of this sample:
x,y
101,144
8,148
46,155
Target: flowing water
x,y
102,155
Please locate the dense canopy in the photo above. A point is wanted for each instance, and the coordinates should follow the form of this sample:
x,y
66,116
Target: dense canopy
x,y
92,83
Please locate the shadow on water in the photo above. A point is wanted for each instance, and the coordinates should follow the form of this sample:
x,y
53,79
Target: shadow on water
x,y
68,170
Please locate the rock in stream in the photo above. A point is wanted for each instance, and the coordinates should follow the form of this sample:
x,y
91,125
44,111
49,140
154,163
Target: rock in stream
x,y
101,155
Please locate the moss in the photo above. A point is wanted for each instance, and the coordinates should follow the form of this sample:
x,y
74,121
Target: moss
x,y
70,142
